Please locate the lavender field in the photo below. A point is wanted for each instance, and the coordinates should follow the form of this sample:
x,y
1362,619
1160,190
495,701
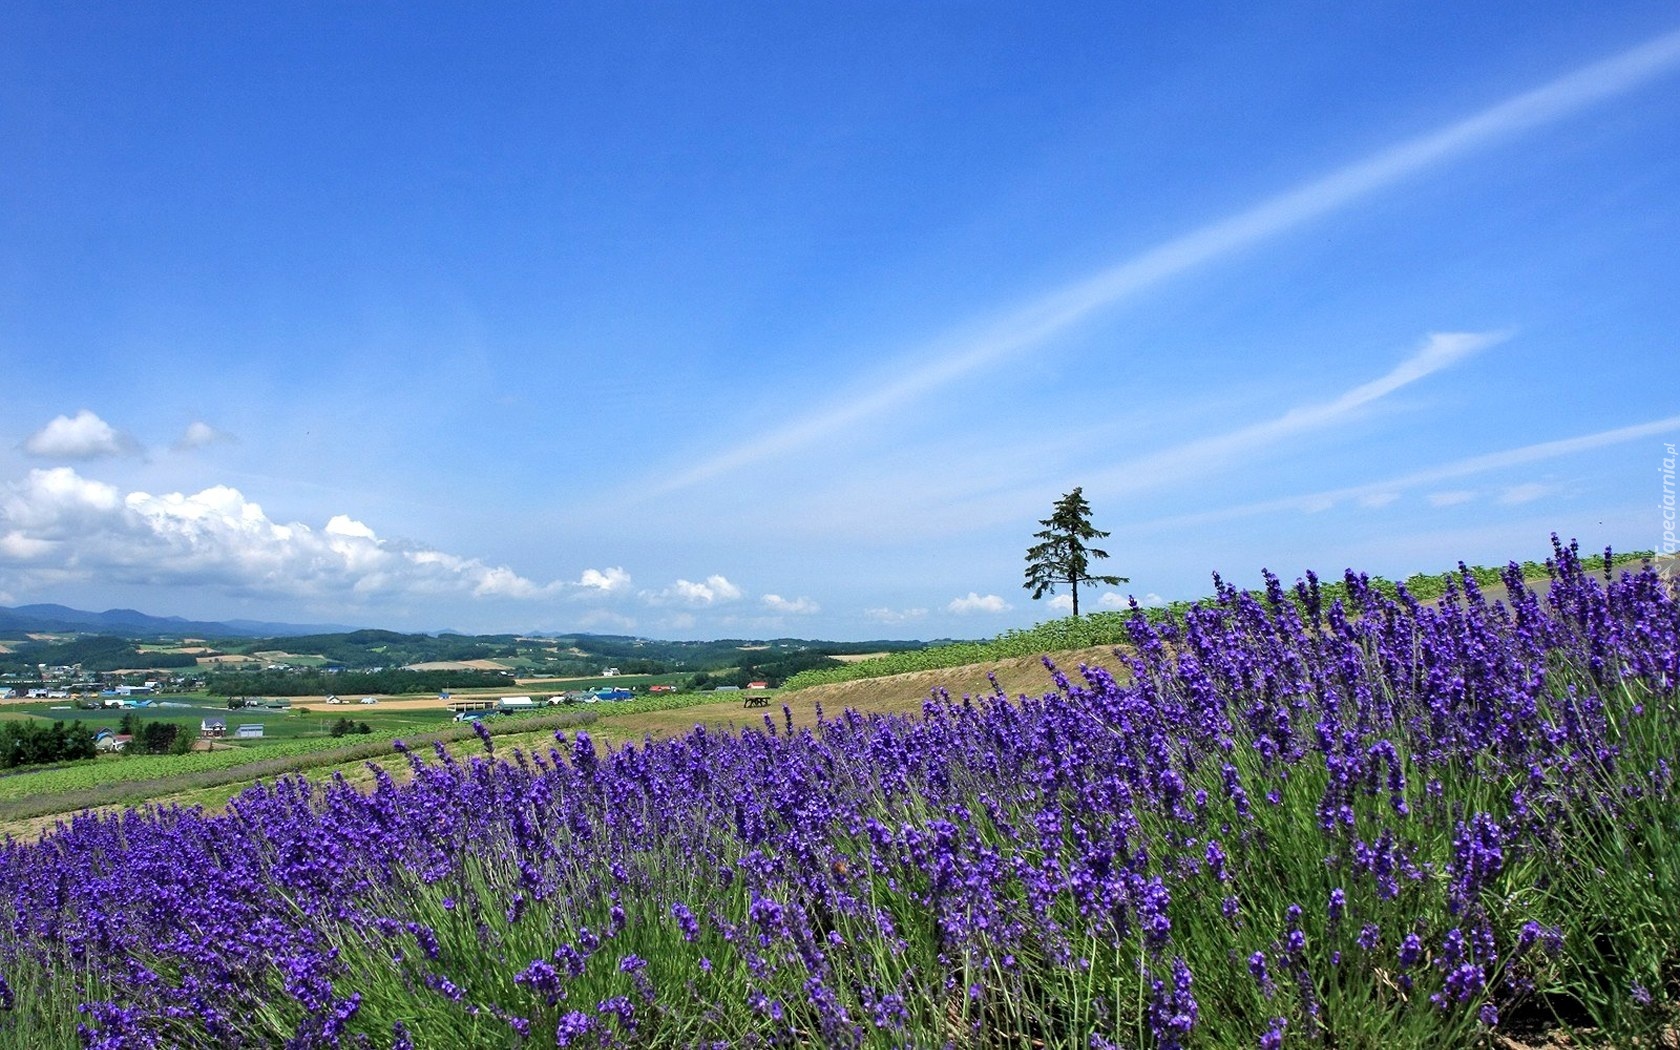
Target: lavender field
x,y
1277,823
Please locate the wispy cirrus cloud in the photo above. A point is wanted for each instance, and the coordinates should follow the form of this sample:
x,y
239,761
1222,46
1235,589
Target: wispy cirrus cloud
x,y
1439,351
986,342
1527,492
1431,476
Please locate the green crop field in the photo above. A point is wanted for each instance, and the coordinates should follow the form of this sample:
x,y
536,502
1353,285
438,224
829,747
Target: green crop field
x,y
297,743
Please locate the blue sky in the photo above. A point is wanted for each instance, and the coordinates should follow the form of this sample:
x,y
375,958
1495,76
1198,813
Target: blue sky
x,y
753,319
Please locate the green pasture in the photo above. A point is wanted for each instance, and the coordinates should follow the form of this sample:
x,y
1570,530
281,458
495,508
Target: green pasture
x,y
278,725
210,778
298,743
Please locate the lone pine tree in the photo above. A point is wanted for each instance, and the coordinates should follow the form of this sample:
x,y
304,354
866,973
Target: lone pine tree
x,y
1061,556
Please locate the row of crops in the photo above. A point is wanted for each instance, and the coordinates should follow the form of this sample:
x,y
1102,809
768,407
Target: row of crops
x,y
1368,823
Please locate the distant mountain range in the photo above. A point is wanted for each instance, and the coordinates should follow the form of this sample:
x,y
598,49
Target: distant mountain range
x,y
130,622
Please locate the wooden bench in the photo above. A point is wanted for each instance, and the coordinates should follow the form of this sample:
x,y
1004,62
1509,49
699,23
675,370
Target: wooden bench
x,y
755,701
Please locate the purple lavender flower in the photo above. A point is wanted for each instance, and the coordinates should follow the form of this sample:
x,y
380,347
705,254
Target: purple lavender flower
x,y
542,978
1262,977
1411,950
686,921
1173,1009
1370,936
573,1025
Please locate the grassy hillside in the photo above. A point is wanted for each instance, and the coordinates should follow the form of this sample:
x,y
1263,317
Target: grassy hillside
x,y
1409,826
1109,628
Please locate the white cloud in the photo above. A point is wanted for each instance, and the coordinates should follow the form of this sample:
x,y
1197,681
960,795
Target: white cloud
x,y
1105,600
344,525
60,522
200,434
606,581
797,606
1150,601
975,603
1525,493
1463,468
1375,500
713,590
1035,322
1451,497
883,615
1439,350
84,437
19,546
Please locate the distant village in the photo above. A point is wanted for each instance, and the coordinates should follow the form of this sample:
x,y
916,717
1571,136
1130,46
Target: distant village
x,y
70,682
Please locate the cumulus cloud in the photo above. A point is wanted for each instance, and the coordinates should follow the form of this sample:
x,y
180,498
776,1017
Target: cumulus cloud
x,y
56,521
200,434
605,581
712,591
975,603
1105,600
85,436
1116,600
797,606
884,615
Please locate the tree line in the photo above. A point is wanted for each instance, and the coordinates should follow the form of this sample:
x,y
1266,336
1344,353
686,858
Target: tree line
x,y
772,671
33,743
155,738
95,653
